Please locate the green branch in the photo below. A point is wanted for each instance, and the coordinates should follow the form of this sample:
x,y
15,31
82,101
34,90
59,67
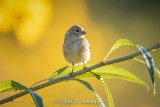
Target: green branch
x,y
103,63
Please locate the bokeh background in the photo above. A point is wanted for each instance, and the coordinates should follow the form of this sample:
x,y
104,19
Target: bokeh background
x,y
32,34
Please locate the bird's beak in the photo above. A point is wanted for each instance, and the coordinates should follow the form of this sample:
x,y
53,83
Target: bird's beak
x,y
83,32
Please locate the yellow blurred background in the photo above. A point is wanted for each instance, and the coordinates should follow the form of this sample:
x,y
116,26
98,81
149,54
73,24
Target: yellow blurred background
x,y
32,34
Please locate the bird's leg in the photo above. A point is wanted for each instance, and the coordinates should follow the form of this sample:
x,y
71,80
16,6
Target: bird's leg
x,y
85,67
72,69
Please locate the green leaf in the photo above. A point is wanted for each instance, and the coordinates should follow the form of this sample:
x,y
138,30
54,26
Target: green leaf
x,y
149,62
86,84
110,71
11,86
120,42
107,71
108,94
37,99
58,72
147,57
157,72
66,70
155,69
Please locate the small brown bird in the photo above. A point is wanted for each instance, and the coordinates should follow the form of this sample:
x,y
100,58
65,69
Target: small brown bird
x,y
76,48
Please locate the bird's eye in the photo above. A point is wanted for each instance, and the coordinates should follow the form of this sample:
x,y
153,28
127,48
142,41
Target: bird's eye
x,y
77,30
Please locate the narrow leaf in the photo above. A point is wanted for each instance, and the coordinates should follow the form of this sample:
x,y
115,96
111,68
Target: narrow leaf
x,y
108,71
120,42
149,62
147,57
65,70
157,72
108,94
86,84
54,75
58,72
155,69
11,86
37,99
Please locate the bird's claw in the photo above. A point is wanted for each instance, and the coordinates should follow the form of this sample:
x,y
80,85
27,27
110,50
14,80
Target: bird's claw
x,y
71,74
85,68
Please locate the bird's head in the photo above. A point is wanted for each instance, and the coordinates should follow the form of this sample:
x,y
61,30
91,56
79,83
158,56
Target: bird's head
x,y
75,31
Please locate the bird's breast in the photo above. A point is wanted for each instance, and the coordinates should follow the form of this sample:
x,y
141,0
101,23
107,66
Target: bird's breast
x,y
72,46
76,50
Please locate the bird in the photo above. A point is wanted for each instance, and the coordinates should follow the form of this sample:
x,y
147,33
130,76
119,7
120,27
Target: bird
x,y
76,48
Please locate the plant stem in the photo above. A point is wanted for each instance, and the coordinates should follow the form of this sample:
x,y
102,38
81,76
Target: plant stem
x,y
10,98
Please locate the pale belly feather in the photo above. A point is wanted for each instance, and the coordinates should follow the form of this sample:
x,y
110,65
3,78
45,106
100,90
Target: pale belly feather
x,y
76,51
